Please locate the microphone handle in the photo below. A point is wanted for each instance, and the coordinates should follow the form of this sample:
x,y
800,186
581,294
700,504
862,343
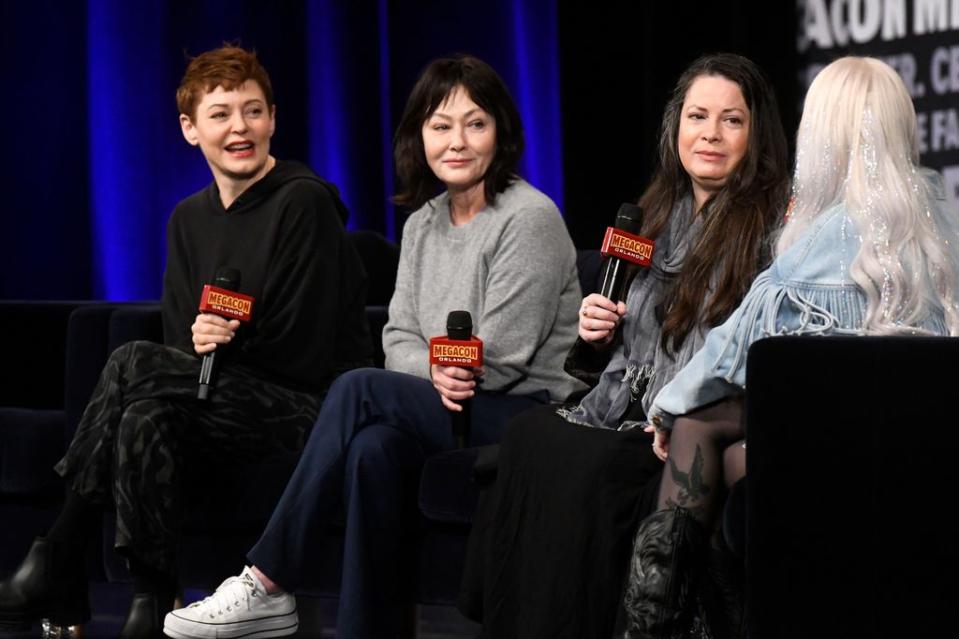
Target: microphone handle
x,y
459,326
616,279
206,376
462,422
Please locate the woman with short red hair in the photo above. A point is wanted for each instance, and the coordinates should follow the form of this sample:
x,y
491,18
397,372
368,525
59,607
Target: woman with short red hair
x,y
279,228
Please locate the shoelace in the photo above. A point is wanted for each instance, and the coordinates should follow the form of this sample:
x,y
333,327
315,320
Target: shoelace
x,y
227,596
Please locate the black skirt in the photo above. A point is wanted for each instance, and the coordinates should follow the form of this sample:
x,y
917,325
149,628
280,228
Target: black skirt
x,y
553,533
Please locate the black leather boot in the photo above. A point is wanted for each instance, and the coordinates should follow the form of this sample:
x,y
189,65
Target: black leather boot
x,y
661,583
145,617
723,592
49,583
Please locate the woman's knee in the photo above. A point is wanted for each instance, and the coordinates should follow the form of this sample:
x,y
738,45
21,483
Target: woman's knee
x,y
379,448
358,382
720,422
136,350
533,422
734,462
374,393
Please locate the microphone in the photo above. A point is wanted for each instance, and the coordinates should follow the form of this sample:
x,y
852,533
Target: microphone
x,y
625,251
459,327
458,348
221,298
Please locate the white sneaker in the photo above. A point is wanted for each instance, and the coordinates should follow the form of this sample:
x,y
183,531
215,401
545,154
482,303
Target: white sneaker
x,y
240,607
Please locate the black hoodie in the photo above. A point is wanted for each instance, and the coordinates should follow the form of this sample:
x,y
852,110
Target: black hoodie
x,y
285,236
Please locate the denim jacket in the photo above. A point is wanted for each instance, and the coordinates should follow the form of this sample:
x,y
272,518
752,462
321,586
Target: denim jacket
x,y
806,291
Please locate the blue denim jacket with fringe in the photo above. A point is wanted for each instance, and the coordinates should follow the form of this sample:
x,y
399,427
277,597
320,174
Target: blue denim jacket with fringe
x,y
806,291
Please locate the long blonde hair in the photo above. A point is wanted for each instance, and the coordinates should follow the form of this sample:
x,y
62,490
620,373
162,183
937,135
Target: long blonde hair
x,y
857,148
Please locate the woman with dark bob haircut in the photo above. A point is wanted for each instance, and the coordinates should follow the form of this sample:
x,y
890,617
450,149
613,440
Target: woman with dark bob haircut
x,y
550,545
490,94
465,248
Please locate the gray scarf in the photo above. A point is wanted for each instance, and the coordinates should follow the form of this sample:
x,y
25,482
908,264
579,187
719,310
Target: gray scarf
x,y
640,366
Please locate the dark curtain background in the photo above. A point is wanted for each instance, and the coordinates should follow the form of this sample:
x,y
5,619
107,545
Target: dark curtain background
x,y
96,162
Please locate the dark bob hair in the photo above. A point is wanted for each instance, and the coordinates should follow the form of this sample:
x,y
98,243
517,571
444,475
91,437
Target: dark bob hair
x,y
418,184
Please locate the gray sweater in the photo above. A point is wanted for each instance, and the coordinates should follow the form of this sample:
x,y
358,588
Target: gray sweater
x,y
513,267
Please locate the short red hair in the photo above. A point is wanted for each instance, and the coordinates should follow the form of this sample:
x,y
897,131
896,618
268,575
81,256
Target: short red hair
x,y
226,67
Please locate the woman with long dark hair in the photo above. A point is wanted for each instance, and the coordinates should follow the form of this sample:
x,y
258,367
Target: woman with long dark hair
x,y
870,248
549,549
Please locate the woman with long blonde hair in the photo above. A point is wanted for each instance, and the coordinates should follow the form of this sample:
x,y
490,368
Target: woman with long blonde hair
x,y
870,247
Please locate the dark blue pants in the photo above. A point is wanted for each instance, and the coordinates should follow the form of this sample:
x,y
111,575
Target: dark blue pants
x,y
374,432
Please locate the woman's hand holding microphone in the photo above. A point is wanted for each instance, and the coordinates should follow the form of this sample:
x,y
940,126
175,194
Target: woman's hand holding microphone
x,y
598,319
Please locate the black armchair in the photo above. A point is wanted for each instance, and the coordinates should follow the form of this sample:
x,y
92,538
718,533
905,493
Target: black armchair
x,y
851,478
33,422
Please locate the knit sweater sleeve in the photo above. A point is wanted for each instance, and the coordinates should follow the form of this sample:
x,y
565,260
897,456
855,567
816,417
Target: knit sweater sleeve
x,y
405,347
528,274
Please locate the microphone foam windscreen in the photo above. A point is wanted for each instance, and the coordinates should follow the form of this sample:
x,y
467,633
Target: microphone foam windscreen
x,y
629,218
459,325
227,278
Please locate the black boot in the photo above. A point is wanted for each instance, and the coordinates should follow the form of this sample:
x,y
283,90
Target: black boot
x,y
663,573
723,592
145,617
49,583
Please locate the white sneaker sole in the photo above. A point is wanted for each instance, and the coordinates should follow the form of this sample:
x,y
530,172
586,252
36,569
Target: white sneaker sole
x,y
280,626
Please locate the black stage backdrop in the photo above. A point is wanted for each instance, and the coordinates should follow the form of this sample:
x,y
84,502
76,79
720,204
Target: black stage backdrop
x,y
619,66
919,39
94,160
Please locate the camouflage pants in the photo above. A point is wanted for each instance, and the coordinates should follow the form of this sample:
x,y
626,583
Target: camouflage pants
x,y
144,424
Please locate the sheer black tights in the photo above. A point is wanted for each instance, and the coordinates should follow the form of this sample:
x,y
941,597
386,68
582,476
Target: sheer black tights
x,y
705,453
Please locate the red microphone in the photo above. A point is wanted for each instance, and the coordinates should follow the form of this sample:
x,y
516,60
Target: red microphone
x,y
625,251
221,299
459,347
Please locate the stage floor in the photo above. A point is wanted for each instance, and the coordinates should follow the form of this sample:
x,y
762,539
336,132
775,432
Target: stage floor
x,y
317,617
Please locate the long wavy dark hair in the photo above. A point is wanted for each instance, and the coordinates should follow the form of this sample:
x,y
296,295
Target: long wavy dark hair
x,y
734,242
418,184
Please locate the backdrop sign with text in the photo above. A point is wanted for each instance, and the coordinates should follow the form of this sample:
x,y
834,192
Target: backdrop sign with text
x,y
918,38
